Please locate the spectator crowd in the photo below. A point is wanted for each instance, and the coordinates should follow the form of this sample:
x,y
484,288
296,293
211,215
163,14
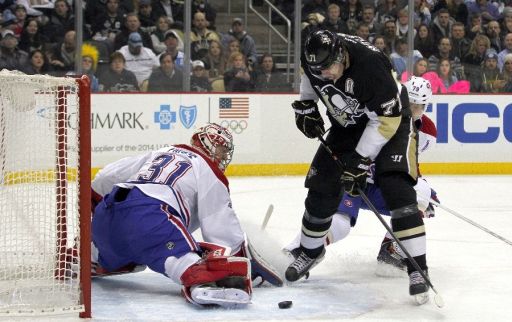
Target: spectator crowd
x,y
460,46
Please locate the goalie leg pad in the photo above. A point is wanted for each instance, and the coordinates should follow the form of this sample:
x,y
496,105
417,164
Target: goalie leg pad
x,y
218,280
215,268
219,250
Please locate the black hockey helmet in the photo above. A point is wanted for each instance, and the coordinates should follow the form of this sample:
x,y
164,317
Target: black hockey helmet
x,y
322,49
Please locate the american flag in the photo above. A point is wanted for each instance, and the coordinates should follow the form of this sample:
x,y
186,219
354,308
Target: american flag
x,y
234,107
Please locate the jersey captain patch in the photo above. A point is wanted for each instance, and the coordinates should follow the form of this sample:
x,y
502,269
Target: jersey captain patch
x,y
343,108
349,86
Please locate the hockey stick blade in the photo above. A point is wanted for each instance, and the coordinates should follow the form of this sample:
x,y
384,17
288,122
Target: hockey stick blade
x,y
267,216
469,221
438,299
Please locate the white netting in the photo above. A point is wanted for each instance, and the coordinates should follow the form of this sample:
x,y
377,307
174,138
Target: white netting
x,y
39,220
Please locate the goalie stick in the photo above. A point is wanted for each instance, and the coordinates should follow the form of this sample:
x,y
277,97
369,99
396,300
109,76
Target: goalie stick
x,y
437,298
456,214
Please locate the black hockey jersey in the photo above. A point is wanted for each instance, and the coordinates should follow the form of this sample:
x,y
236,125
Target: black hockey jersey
x,y
366,95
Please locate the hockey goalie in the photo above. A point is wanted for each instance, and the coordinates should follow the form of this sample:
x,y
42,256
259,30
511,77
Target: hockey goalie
x,y
149,205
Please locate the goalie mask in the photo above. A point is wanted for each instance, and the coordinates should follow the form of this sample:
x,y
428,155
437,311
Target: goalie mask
x,y
216,142
323,48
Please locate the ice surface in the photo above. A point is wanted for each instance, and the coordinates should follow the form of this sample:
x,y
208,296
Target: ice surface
x,y
471,269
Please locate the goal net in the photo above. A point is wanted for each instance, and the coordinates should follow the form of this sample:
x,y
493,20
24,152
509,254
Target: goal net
x,y
44,195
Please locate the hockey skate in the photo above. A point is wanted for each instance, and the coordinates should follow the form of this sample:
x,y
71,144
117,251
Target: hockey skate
x,y
390,254
293,254
418,287
230,298
218,280
302,265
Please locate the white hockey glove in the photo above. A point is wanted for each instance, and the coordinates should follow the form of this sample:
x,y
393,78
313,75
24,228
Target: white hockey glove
x,y
218,280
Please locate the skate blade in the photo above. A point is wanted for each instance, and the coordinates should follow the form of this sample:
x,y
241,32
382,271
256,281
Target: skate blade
x,y
421,298
230,298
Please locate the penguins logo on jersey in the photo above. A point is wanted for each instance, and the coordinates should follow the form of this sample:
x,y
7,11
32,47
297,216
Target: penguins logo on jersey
x,y
343,108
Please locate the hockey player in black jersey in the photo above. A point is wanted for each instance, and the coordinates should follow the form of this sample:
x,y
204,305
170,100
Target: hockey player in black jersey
x,y
371,120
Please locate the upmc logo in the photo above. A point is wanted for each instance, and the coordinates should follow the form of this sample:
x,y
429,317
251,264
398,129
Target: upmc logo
x,y
488,122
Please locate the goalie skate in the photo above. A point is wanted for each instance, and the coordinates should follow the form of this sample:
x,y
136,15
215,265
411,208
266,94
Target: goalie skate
x,y
229,298
218,280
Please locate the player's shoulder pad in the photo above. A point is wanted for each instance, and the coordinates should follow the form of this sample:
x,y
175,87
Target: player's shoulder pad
x,y
428,126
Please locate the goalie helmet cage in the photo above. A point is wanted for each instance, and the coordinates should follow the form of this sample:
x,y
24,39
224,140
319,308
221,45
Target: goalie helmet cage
x,y
45,207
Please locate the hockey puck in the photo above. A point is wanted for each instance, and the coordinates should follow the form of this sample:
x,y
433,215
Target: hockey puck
x,y
285,304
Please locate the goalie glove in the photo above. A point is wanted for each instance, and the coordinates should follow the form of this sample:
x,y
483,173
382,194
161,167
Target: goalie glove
x,y
356,172
308,118
218,280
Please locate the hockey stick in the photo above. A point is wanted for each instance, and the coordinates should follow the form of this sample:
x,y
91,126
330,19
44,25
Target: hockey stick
x,y
456,214
437,298
267,216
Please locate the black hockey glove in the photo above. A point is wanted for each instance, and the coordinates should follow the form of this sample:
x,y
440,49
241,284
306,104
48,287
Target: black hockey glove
x,y
356,172
308,119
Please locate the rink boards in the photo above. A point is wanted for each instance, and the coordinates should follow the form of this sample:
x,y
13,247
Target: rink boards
x,y
474,131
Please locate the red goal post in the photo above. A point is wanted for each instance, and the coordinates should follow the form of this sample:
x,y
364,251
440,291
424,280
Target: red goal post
x,y
45,177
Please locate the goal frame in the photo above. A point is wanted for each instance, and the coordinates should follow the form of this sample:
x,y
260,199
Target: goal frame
x,y
84,169
68,115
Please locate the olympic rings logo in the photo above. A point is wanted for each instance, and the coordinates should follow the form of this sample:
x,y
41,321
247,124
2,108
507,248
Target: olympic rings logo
x,y
235,126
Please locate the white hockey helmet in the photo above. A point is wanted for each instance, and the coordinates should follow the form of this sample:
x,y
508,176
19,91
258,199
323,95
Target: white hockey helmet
x,y
419,90
216,142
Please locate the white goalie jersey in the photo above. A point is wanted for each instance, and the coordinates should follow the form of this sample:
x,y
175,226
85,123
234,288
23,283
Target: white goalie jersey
x,y
202,189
